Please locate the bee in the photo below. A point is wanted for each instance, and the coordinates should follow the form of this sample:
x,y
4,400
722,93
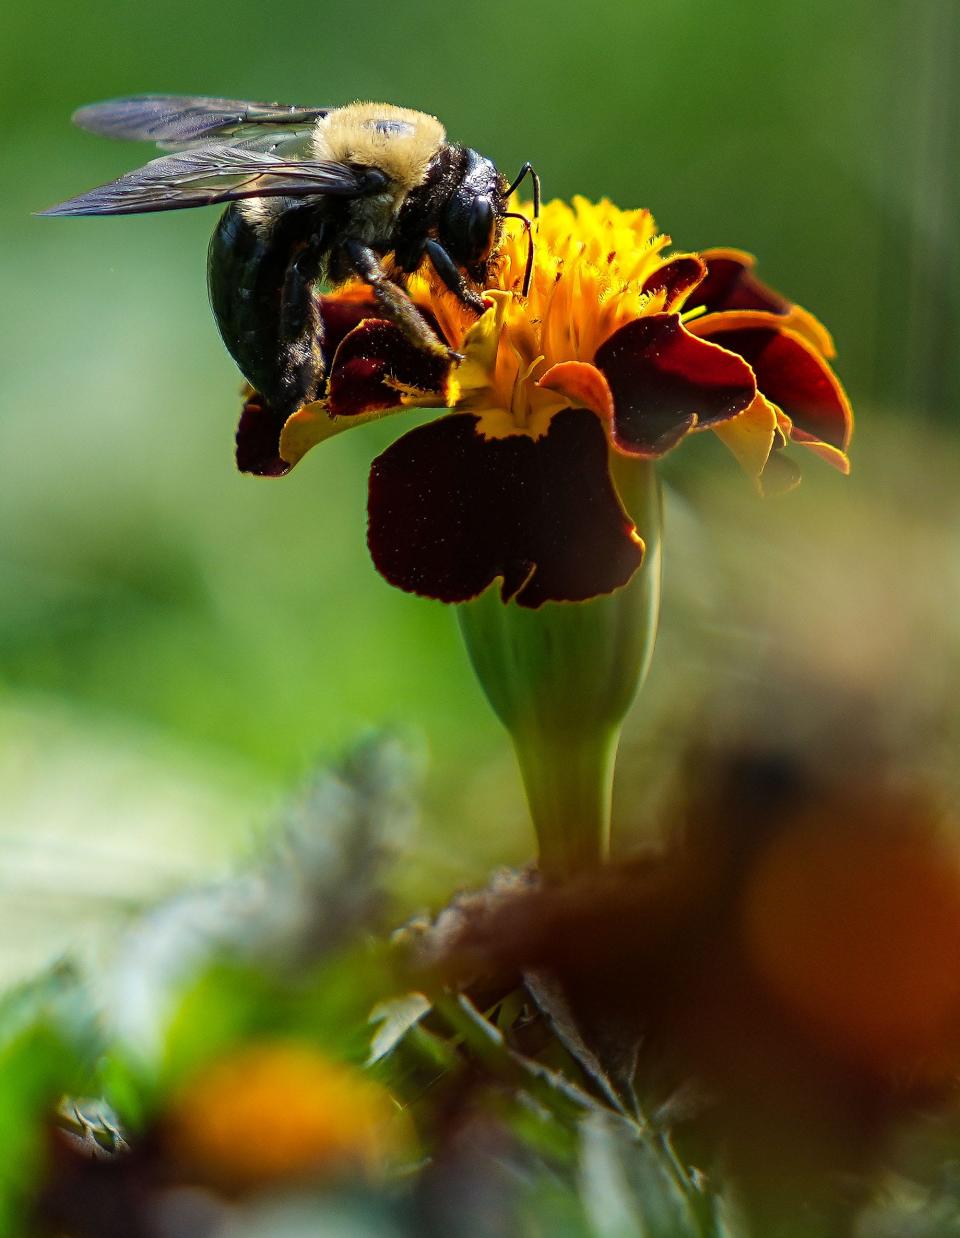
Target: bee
x,y
316,196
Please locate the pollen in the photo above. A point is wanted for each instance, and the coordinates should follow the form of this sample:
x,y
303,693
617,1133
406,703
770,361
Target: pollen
x,y
591,261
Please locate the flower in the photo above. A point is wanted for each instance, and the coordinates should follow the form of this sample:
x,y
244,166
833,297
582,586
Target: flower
x,y
618,352
279,1111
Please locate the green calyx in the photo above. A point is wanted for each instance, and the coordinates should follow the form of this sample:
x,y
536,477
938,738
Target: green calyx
x,y
561,679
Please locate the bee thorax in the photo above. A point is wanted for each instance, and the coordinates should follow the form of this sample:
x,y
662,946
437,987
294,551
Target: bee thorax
x,y
372,220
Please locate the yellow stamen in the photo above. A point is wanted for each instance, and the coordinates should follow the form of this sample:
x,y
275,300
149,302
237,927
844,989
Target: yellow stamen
x,y
590,263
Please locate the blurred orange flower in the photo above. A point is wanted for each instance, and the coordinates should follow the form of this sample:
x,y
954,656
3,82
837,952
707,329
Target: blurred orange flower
x,y
852,917
280,1112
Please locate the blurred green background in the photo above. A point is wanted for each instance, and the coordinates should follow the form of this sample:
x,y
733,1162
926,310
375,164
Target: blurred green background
x,y
179,644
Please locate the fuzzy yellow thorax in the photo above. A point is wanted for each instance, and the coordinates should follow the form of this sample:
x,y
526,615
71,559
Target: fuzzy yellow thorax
x,y
358,134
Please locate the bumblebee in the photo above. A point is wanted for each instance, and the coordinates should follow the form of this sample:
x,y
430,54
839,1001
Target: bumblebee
x,y
317,196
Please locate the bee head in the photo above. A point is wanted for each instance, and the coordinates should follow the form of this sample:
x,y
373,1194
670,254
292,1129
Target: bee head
x,y
469,224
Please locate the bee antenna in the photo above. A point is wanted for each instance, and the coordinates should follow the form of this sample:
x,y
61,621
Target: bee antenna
x,y
528,273
525,171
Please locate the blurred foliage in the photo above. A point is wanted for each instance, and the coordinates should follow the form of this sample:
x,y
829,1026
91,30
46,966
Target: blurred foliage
x,y
110,1166
494,1106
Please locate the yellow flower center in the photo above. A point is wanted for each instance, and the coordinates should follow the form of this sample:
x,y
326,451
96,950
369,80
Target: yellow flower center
x,y
590,263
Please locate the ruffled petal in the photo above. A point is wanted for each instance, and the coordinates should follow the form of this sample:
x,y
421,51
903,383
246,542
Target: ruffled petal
x,y
268,446
665,381
312,424
479,346
451,511
377,363
341,312
351,304
258,439
751,435
676,279
376,367
730,284
832,455
780,475
583,385
790,372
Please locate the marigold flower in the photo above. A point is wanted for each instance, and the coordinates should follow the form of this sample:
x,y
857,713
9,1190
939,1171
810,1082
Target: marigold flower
x,y
618,350
279,1112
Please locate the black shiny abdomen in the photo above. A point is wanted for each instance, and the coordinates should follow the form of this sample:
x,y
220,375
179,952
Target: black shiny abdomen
x,y
246,268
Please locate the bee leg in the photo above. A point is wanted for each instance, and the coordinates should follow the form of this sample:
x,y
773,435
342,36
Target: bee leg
x,y
453,277
394,302
302,369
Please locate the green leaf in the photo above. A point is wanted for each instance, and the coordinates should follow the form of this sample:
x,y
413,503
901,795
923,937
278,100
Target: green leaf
x,y
631,1185
557,1094
395,1016
612,1077
92,1125
611,1205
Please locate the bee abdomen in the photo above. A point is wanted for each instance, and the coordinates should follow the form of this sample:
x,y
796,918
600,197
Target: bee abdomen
x,y
248,268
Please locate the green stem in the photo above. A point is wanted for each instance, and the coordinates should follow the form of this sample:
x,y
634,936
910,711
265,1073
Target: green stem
x,y
572,812
561,679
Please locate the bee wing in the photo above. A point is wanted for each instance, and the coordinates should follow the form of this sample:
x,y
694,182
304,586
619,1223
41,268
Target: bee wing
x,y
284,141
219,173
173,120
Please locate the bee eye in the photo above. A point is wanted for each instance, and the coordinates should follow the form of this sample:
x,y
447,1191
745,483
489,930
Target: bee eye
x,y
480,227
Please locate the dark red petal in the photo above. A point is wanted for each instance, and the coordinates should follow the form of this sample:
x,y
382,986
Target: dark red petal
x,y
375,363
664,381
677,277
792,374
450,511
258,439
730,284
344,310
340,312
